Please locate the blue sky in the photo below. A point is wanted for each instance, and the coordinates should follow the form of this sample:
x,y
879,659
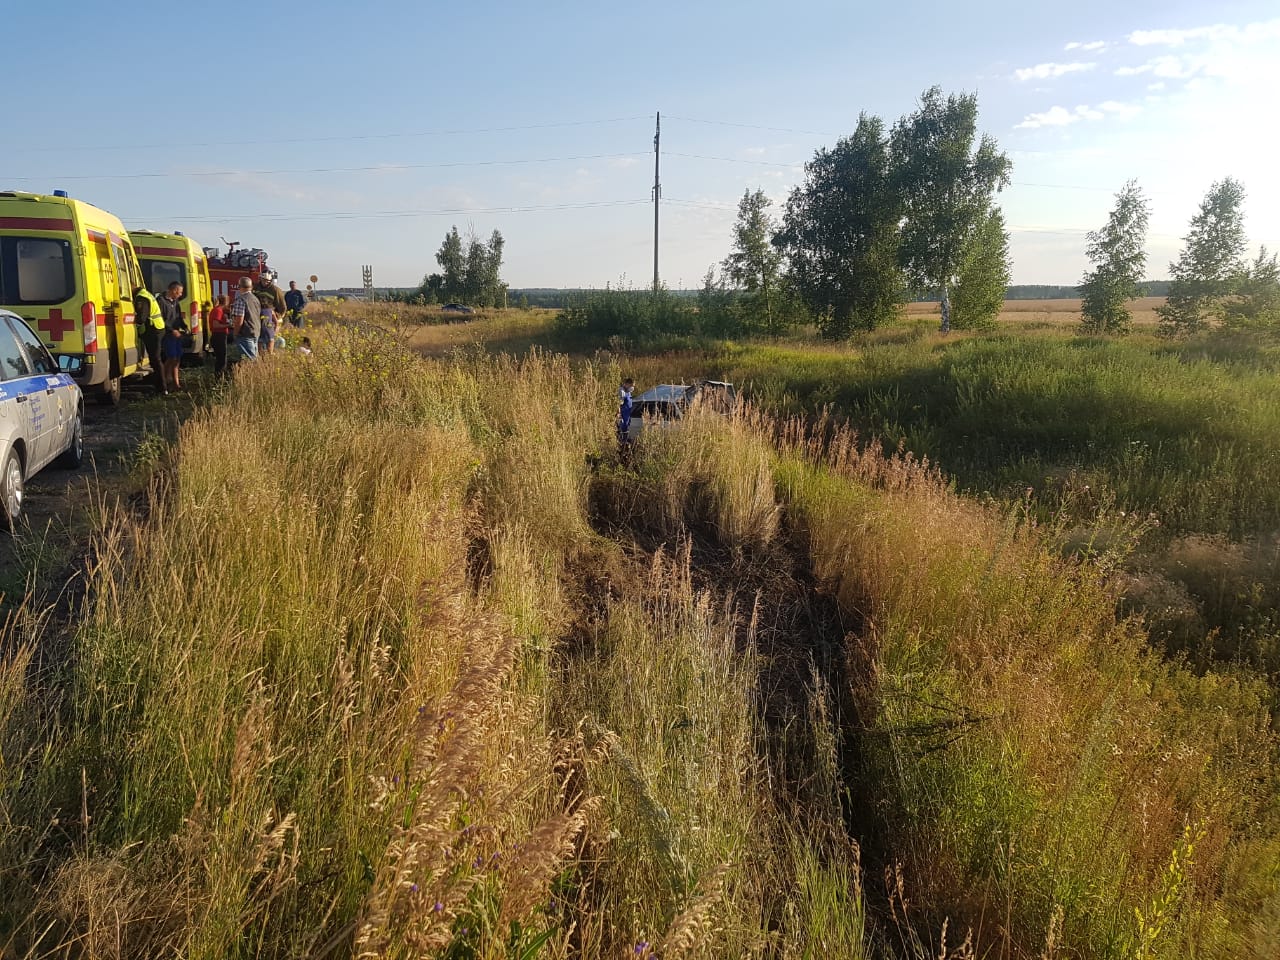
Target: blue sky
x,y
335,135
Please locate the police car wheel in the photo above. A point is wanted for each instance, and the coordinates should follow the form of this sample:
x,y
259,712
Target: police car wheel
x,y
73,456
12,489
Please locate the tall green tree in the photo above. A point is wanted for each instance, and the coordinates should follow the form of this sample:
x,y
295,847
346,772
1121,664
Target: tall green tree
x,y
453,265
719,309
476,271
1257,301
946,187
495,291
840,234
983,277
1210,266
755,264
472,273
432,288
1119,257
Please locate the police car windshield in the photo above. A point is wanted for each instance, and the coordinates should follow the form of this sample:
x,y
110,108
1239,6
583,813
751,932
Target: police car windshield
x,y
13,363
35,270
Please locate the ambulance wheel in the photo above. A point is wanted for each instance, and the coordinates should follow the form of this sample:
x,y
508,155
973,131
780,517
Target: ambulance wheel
x,y
73,456
111,391
12,489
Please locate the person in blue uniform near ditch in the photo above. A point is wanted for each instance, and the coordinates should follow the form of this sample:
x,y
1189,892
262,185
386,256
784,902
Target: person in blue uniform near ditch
x,y
624,411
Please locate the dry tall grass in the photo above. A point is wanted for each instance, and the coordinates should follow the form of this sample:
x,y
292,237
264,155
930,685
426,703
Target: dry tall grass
x,y
399,661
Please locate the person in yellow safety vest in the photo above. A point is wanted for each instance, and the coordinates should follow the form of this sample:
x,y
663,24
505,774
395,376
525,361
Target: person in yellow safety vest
x,y
149,323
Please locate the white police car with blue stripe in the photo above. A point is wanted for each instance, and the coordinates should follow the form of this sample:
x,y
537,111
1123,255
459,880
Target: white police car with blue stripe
x,y
41,413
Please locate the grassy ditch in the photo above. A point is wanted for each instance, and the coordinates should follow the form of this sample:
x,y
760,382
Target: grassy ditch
x,y
396,666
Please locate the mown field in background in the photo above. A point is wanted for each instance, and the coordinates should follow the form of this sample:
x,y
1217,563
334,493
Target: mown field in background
x,y
1050,311
417,666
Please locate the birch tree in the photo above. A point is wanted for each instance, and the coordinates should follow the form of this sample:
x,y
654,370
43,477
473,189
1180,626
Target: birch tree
x,y
946,187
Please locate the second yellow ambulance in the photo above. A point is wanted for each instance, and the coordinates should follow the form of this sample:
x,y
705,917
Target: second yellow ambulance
x,y
169,257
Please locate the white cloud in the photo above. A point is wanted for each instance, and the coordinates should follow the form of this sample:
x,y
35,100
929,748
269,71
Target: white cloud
x,y
1167,66
1122,111
1046,71
1053,117
1175,68
1217,33
1060,116
1156,87
1175,38
1246,54
1092,46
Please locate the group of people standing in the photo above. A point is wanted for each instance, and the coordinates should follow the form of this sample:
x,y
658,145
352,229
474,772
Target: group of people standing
x,y
249,323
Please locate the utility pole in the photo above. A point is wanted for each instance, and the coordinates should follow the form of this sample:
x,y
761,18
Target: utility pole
x,y
657,194
367,275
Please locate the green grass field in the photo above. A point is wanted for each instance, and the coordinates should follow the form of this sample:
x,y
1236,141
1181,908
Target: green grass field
x,y
1172,445
408,669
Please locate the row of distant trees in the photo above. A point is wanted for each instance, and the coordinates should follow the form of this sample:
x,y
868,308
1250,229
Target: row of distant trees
x,y
1210,280
885,216
907,212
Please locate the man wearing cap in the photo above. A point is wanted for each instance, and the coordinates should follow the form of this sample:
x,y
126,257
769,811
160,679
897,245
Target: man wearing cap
x,y
270,295
246,319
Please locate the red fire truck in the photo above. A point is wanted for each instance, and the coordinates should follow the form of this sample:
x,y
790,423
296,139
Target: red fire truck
x,y
225,270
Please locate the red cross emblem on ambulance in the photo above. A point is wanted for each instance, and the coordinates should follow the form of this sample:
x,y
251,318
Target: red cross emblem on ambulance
x,y
55,325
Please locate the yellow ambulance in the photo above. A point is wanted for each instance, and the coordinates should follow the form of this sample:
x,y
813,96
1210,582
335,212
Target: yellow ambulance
x,y
166,257
69,270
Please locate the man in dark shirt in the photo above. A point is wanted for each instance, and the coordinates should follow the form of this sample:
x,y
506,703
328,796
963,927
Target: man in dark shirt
x,y
171,307
296,302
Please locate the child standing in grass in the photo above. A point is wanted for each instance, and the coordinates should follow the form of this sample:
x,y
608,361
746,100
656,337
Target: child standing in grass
x,y
267,339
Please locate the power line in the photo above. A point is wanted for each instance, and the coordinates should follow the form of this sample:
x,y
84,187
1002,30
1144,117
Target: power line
x,y
759,163
797,164
384,214
753,126
347,137
374,167
704,204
